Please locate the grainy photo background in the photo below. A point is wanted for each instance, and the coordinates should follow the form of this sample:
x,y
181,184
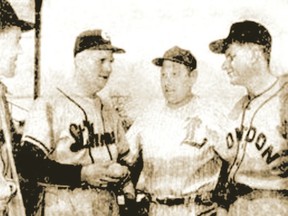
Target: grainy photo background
x,y
145,29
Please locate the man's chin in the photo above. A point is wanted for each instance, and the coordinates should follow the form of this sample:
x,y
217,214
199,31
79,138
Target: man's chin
x,y
234,82
170,99
8,72
94,91
173,101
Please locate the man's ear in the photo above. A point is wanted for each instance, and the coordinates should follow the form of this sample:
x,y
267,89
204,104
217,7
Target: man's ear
x,y
77,59
256,54
193,75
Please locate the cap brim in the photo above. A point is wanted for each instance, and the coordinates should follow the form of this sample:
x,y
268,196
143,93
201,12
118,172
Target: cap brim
x,y
117,50
111,48
158,61
219,46
25,26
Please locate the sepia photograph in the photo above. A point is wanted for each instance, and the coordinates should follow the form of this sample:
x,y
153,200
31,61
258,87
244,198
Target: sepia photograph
x,y
143,108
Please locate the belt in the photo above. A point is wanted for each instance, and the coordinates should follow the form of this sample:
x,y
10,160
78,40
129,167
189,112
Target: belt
x,y
68,187
171,202
54,185
197,198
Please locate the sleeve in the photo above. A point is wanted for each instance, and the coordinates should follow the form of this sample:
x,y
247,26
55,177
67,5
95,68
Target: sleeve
x,y
217,130
122,145
128,154
111,117
34,164
38,126
134,142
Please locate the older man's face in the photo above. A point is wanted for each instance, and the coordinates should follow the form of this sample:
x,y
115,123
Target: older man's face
x,y
9,47
93,69
240,63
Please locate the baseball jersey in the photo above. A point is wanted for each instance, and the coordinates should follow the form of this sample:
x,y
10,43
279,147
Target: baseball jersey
x,y
10,196
259,134
178,149
76,130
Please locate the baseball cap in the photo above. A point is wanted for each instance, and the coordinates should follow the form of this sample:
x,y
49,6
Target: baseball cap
x,y
94,40
8,17
244,32
179,55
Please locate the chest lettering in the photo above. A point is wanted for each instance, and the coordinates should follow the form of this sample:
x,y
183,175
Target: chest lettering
x,y
93,140
194,124
251,135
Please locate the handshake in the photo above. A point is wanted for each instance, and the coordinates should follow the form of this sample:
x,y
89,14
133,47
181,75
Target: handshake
x,y
105,174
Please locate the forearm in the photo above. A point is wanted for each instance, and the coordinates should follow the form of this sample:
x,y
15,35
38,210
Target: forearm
x,y
33,163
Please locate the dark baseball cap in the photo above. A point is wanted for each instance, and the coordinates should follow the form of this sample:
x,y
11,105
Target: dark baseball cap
x,y
179,55
244,32
94,40
8,17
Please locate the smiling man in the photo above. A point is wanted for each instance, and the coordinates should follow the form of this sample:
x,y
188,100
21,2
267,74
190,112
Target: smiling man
x,y
73,140
257,177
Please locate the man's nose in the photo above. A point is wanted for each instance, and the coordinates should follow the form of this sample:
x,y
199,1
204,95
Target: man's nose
x,y
167,81
226,65
107,67
19,48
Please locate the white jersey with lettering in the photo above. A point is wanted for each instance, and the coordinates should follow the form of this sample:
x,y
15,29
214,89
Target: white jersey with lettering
x,y
178,148
260,135
76,130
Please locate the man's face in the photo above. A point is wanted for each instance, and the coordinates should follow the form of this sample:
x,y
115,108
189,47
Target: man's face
x,y
93,69
9,47
176,82
239,63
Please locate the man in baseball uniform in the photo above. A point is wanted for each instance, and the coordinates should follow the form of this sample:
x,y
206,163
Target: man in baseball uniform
x,y
176,139
257,178
11,28
72,141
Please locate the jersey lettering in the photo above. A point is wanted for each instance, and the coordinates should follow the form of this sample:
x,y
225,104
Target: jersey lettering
x,y
94,140
76,132
239,133
251,136
260,141
283,129
192,126
229,140
268,152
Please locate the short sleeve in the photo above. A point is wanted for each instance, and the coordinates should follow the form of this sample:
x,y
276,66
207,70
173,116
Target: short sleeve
x,y
38,126
217,126
111,118
133,137
122,145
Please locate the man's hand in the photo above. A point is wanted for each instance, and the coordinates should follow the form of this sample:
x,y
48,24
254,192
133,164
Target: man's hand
x,y
102,174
